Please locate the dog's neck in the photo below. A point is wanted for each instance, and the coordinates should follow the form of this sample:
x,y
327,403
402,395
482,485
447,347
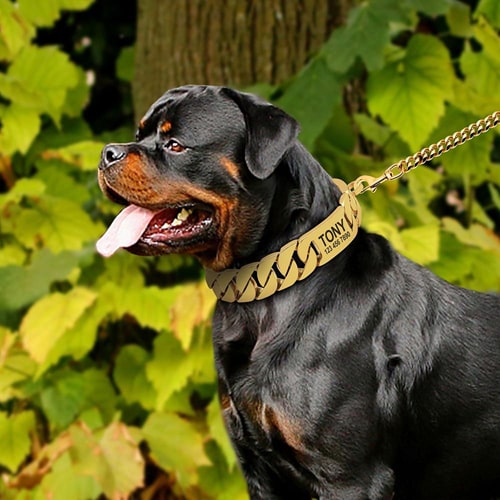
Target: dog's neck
x,y
302,196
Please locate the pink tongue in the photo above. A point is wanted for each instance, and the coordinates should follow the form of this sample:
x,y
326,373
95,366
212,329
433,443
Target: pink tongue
x,y
125,230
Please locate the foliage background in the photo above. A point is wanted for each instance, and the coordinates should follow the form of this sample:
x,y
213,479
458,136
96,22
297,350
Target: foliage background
x,y
107,386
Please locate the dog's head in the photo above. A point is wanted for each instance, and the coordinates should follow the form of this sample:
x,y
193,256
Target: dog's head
x,y
195,179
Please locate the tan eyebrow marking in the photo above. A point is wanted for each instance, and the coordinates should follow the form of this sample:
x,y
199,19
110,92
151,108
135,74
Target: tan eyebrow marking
x,y
230,167
166,127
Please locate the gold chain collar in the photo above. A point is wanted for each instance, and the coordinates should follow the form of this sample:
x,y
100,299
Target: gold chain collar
x,y
299,258
295,260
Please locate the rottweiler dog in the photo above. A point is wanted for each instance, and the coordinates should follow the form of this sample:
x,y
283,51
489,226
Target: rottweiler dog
x,y
370,379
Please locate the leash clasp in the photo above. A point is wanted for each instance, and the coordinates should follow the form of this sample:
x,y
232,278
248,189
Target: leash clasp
x,y
366,182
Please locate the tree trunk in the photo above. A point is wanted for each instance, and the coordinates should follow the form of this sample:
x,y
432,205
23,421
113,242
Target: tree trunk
x,y
226,42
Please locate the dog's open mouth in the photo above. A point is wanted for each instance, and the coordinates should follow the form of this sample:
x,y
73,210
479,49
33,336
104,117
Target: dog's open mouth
x,y
145,231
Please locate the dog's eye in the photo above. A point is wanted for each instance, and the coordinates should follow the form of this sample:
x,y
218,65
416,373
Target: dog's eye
x,y
174,146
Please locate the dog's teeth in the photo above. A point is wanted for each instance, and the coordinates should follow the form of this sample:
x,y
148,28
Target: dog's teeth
x,y
184,214
180,218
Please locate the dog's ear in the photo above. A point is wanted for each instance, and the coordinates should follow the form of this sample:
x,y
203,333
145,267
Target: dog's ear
x,y
270,132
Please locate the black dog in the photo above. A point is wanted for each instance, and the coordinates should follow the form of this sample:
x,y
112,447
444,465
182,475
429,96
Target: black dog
x,y
370,379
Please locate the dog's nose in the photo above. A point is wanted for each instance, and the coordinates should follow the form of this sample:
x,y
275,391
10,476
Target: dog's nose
x,y
111,154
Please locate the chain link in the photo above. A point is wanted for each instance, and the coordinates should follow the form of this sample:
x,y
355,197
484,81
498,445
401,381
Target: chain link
x,y
396,170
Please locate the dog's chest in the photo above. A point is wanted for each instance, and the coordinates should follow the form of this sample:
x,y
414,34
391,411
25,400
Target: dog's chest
x,y
266,426
253,382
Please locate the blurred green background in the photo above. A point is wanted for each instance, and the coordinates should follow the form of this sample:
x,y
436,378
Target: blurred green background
x,y
107,385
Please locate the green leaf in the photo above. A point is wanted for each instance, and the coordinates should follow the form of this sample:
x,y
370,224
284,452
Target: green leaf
x,y
469,99
75,4
40,13
170,368
421,244
192,307
34,471
467,266
58,224
359,39
99,393
175,446
488,37
339,133
14,436
485,271
111,457
12,255
431,7
310,98
372,130
21,286
77,97
125,64
62,483
16,368
150,306
59,183
75,130
85,154
124,466
181,401
78,340
479,215
221,481
475,235
23,187
130,376
409,94
20,126
92,418
396,11
459,19
125,271
491,10
72,393
382,136
365,35
201,355
482,68
62,401
424,185
410,214
495,194
495,173
45,75
49,318
16,32
19,96
44,14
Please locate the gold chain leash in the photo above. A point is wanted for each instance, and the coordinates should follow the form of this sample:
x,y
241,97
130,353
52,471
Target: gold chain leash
x,y
299,258
396,170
